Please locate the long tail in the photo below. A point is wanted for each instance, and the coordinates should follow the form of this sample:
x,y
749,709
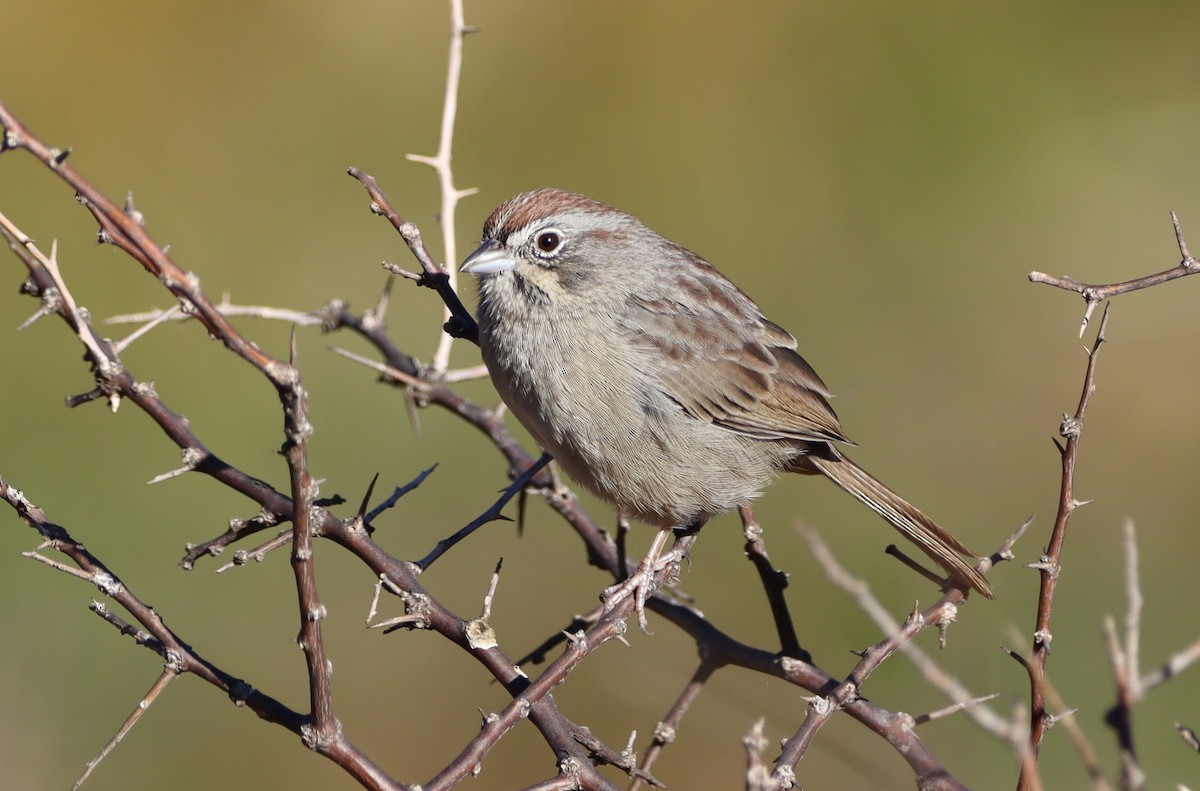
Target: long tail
x,y
902,515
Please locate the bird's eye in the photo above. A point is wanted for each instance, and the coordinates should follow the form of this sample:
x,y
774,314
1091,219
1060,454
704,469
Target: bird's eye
x,y
549,241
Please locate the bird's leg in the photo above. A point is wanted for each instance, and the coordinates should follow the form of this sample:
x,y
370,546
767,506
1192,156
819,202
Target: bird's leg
x,y
642,584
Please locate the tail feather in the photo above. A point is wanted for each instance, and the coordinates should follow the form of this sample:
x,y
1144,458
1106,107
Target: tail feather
x,y
933,540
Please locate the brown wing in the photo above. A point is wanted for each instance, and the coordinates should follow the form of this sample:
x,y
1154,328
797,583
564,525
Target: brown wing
x,y
726,364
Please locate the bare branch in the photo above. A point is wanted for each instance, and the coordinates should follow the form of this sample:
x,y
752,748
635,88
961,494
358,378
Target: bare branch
x,y
1095,294
164,678
774,582
441,163
1050,565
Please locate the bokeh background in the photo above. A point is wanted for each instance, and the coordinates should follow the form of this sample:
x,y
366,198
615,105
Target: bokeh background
x,y
880,176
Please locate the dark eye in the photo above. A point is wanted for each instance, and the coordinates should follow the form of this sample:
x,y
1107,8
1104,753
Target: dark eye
x,y
549,241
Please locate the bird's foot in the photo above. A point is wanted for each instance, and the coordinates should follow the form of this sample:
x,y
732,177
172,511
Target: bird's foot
x,y
646,579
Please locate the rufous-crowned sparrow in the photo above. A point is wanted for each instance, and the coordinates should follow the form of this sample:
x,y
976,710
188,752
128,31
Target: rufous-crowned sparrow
x,y
653,380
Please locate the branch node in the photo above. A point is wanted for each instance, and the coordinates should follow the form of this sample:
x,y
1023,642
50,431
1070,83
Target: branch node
x,y
480,635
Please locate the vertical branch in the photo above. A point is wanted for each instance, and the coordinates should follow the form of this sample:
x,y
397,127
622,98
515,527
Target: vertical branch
x,y
773,583
667,728
1133,617
322,728
1049,564
441,163
1124,660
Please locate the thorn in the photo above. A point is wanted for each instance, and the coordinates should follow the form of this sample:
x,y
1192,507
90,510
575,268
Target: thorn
x,y
126,342
1189,736
362,508
398,270
1092,302
410,408
385,296
132,211
166,476
1052,719
422,159
83,398
1006,551
953,709
1016,656
1188,262
43,310
292,347
1043,565
1100,338
400,622
491,593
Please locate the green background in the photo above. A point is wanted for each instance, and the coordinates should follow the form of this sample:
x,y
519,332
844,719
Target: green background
x,y
880,176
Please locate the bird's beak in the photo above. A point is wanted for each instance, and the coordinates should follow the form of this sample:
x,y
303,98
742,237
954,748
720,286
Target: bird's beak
x,y
489,259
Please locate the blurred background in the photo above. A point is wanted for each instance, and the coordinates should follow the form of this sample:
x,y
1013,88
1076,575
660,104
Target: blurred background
x,y
880,176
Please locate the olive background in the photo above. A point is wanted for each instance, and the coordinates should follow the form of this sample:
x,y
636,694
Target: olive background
x,y
879,176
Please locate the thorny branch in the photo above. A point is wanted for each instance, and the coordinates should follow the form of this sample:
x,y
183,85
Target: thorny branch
x,y
440,162
1049,565
529,697
1094,294
577,753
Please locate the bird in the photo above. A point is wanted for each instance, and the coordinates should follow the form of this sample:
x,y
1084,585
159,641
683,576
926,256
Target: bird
x,y
654,381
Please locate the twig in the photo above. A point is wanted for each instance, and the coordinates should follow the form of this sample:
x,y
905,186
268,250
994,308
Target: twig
x,y
460,324
1095,294
298,317
258,554
490,515
668,726
839,696
322,732
1120,717
164,678
1066,718
953,708
1133,615
581,644
933,673
774,582
164,640
1049,564
1124,661
391,500
440,162
758,773
1176,664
